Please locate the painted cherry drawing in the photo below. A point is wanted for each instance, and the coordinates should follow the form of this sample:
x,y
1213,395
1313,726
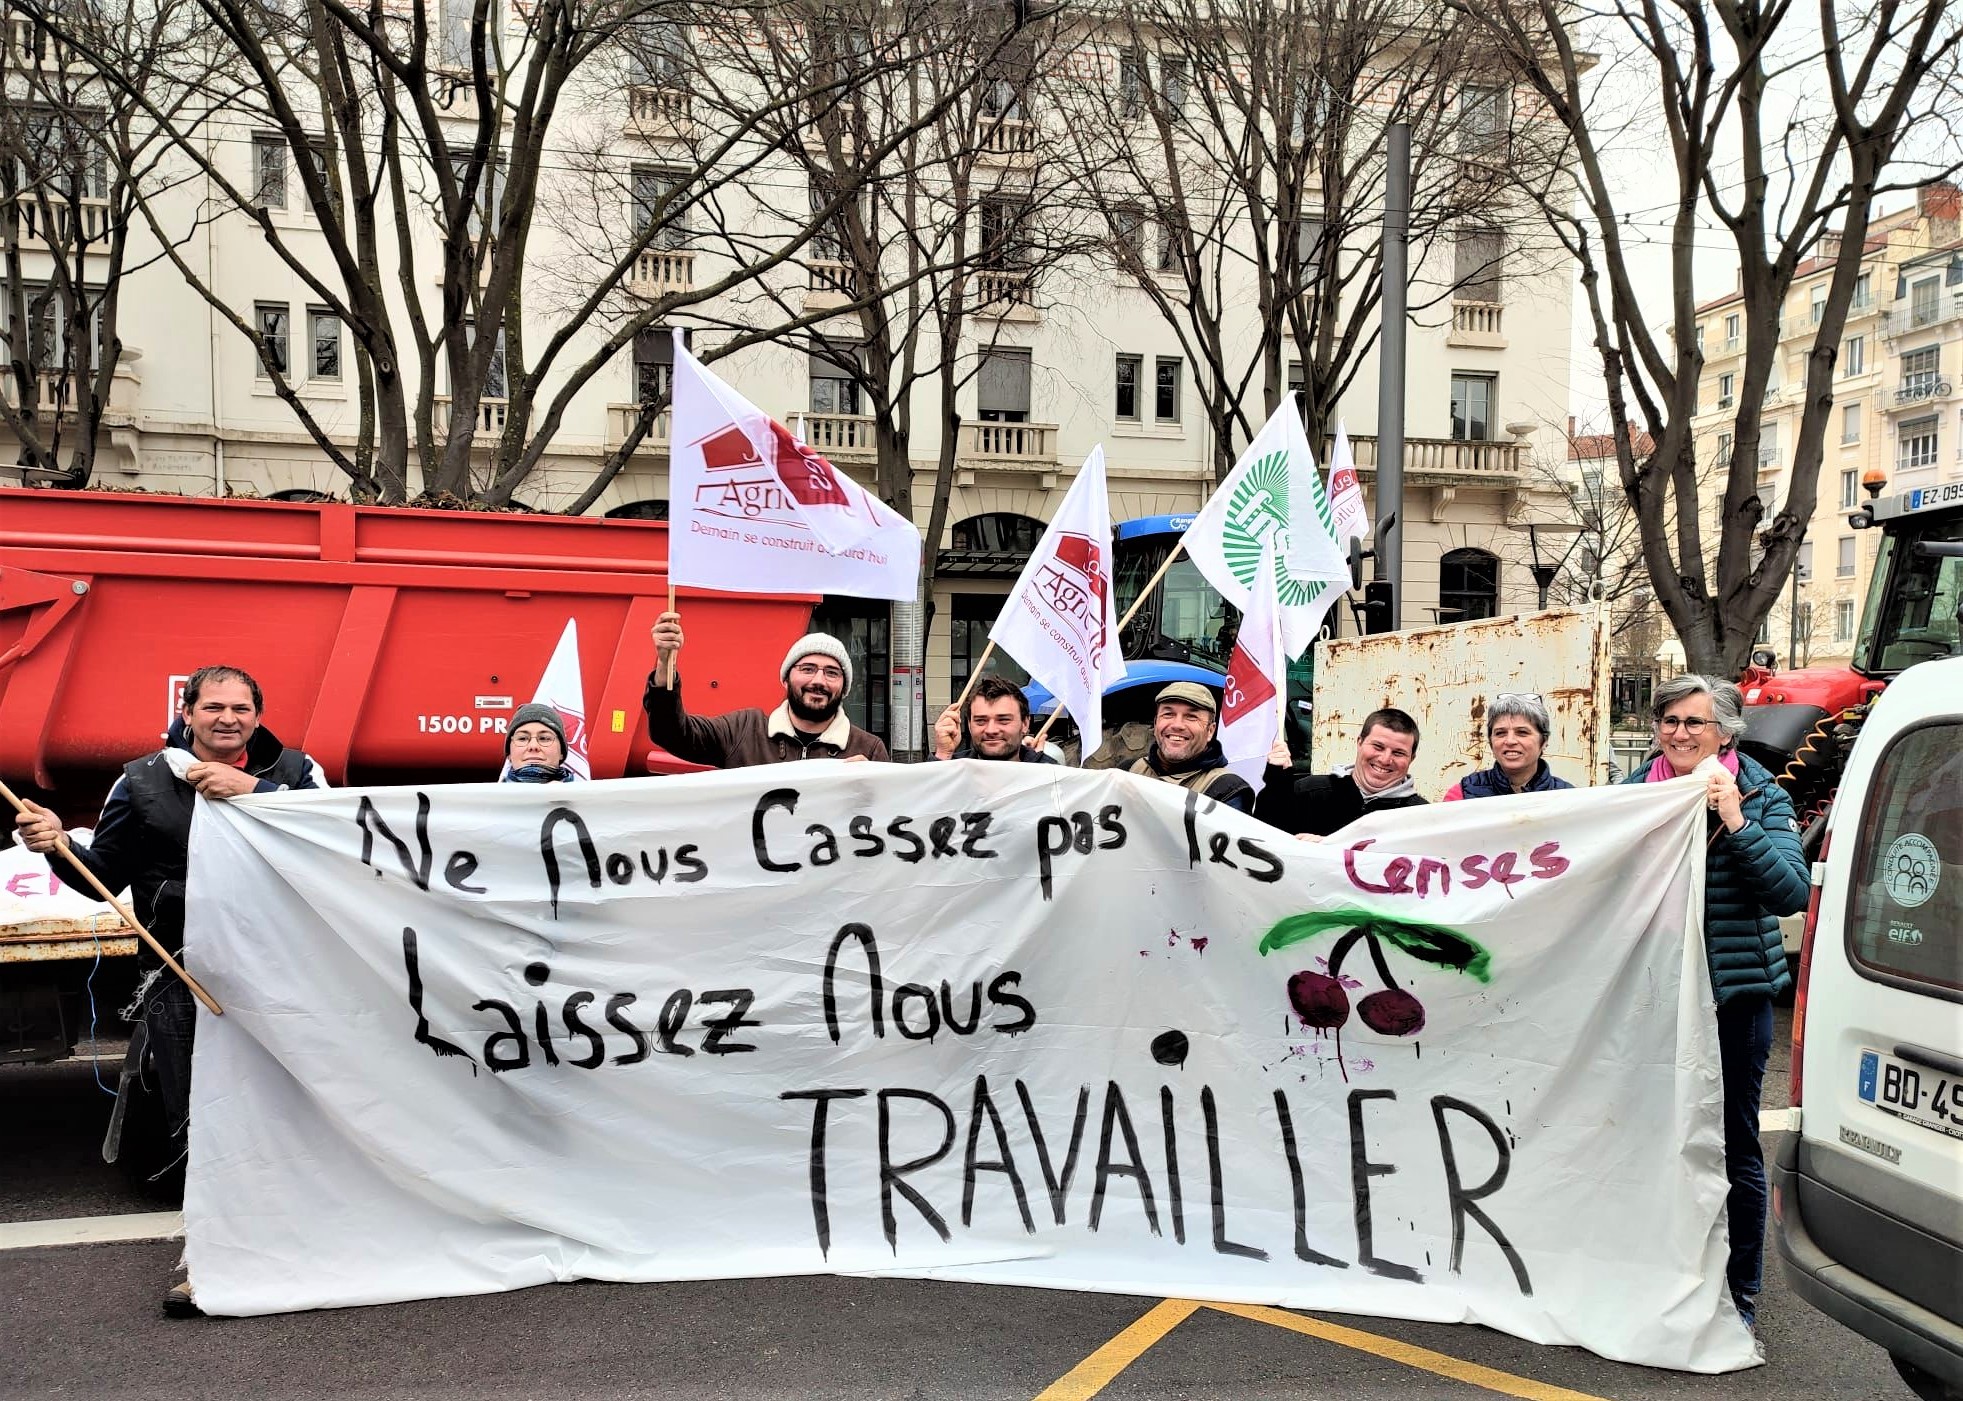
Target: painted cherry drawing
x,y
1322,999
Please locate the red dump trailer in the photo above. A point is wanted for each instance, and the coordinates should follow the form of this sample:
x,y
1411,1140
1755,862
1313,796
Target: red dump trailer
x,y
393,644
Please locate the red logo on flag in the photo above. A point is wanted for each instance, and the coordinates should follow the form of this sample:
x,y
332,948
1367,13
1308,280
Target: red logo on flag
x,y
1248,687
743,486
1072,583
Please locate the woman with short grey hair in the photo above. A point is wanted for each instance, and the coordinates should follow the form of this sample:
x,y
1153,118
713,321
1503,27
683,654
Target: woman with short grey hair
x,y
1753,873
1517,727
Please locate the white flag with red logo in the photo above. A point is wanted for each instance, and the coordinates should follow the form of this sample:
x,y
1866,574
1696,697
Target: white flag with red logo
x,y
752,510
560,688
1257,678
1345,493
1061,621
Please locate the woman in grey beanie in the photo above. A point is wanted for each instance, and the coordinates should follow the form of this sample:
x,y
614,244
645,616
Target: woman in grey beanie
x,y
535,747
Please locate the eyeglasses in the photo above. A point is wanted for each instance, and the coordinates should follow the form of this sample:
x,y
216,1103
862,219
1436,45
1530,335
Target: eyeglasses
x,y
1529,697
1689,724
829,673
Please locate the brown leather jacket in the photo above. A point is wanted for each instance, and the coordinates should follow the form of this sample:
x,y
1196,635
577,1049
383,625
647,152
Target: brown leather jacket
x,y
745,737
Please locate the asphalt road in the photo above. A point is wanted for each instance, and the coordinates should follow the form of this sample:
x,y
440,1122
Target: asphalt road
x,y
83,1320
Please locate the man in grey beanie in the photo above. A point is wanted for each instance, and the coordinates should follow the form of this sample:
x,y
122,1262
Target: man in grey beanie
x,y
810,724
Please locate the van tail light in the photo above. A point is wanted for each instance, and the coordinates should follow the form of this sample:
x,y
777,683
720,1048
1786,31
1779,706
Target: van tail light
x,y
1806,967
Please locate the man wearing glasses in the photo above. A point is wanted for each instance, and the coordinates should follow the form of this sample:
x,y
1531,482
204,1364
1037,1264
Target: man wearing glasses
x,y
810,724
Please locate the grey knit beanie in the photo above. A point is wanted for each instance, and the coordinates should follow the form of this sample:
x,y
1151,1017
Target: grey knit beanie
x,y
537,713
820,644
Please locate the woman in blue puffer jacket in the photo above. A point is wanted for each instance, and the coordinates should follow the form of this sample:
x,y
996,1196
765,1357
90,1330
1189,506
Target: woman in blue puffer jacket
x,y
1754,873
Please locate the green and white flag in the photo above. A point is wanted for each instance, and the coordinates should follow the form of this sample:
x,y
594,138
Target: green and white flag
x,y
1274,492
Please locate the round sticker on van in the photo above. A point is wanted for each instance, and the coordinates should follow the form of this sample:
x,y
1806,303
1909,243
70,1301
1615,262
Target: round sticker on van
x,y
1911,870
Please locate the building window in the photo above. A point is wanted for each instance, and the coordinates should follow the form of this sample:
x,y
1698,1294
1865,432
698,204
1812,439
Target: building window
x,y
1920,370
653,508
1726,383
1472,408
1482,119
654,365
453,38
1924,303
1468,585
1844,562
1849,485
657,51
1700,338
268,170
1479,258
967,640
1172,83
1724,450
1803,561
1002,386
1128,235
1863,294
1818,304
1131,83
861,624
834,380
1165,389
325,329
1917,447
1130,368
1168,260
652,185
1001,233
274,321
1731,331
1850,423
1843,620
1854,356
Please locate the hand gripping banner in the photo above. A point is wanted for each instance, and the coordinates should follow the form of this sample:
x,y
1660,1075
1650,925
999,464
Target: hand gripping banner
x,y
986,1022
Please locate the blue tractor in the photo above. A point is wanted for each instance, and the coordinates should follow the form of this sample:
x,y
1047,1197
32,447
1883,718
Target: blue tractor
x,y
1185,632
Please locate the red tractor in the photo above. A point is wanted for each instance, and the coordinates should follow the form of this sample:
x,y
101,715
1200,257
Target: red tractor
x,y
1801,724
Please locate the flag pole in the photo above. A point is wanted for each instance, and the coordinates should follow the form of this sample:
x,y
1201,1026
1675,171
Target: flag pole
x,y
1056,715
975,674
668,662
1152,583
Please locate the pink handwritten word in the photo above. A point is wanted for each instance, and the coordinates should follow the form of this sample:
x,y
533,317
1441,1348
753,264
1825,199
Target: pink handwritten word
x,y
1421,876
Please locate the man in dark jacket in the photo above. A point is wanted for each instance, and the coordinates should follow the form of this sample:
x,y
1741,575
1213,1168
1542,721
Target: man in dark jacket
x,y
142,841
1314,805
810,724
997,726
1185,750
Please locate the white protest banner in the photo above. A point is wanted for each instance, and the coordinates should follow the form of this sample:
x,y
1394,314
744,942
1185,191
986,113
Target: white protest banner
x,y
1061,619
752,510
562,689
1345,492
33,896
1257,679
1274,490
988,1022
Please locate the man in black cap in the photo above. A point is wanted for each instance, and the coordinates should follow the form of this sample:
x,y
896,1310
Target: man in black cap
x,y
810,724
1186,751
535,746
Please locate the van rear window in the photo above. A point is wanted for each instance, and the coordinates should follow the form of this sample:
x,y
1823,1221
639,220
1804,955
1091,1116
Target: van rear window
x,y
1905,911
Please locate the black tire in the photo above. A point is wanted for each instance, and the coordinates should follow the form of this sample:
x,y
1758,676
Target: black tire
x,y
1926,1385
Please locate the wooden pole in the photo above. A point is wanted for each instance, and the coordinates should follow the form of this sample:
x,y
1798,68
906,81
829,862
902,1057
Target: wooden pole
x,y
1082,753
1153,582
975,674
61,845
668,662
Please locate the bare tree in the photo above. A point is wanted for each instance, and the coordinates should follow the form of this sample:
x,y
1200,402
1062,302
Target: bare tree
x,y
1816,109
1241,144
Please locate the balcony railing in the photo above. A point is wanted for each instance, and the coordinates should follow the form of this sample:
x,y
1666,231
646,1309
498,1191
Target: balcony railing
x,y
1900,320
1008,137
60,222
659,271
1477,324
56,393
1450,458
658,106
31,47
838,279
838,436
620,418
1002,443
492,415
1004,292
1922,391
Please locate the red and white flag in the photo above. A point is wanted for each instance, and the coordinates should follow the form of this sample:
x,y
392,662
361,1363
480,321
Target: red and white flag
x,y
561,688
752,510
1345,494
1061,620
1257,678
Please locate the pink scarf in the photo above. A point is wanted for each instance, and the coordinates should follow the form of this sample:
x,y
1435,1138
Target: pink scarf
x,y
1661,772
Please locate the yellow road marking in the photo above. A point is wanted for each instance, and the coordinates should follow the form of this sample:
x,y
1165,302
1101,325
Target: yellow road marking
x,y
1095,1372
1505,1383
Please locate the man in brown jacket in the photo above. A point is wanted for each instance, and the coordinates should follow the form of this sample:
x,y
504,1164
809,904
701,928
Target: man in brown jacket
x,y
810,724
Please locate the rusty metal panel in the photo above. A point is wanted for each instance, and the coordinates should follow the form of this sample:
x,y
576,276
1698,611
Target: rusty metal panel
x,y
66,938
1445,676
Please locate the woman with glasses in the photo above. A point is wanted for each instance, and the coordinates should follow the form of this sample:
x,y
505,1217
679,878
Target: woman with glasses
x,y
1517,726
1754,872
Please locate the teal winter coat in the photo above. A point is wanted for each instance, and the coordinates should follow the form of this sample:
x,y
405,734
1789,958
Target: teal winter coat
x,y
1751,877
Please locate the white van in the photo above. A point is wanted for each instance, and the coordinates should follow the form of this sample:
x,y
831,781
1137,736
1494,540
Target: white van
x,y
1868,1193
